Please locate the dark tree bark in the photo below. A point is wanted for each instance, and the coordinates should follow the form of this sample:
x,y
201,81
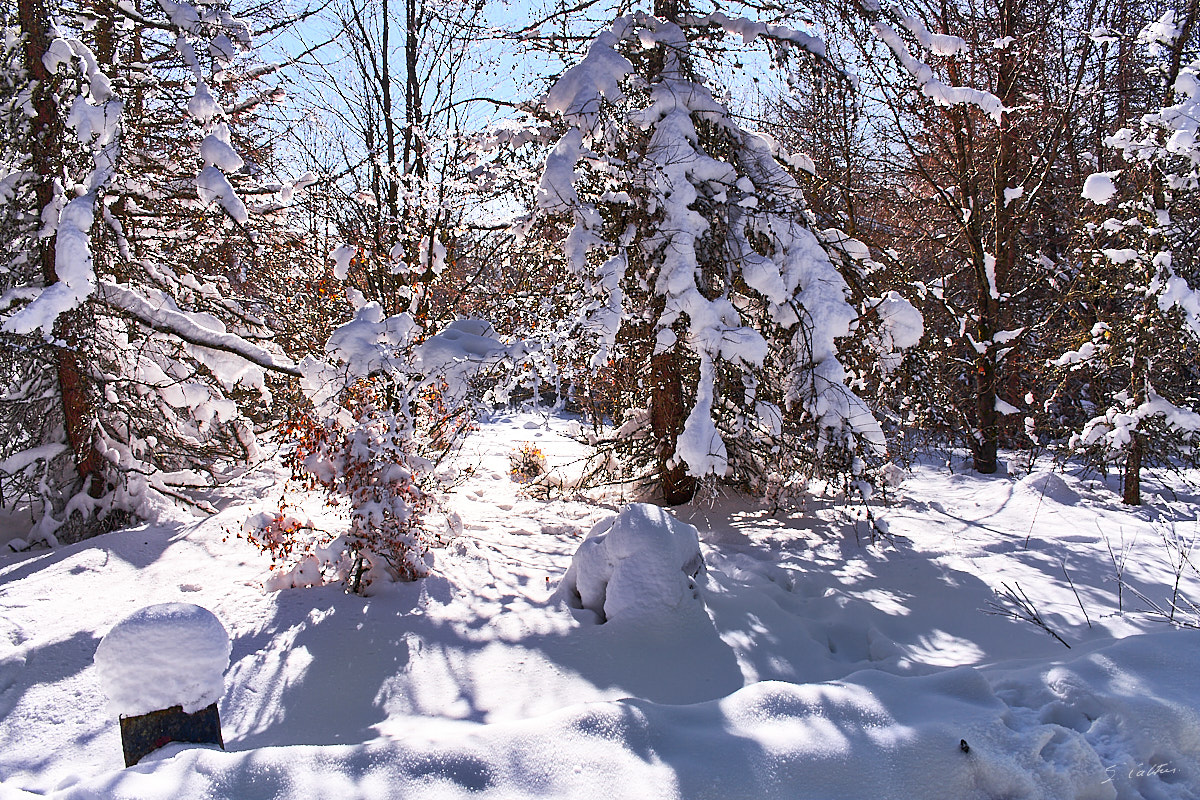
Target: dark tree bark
x,y
666,421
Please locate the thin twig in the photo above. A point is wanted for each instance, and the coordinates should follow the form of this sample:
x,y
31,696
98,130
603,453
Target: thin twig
x,y
1023,609
1073,589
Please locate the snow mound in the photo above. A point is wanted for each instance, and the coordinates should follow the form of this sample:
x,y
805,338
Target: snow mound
x,y
164,655
1049,486
638,564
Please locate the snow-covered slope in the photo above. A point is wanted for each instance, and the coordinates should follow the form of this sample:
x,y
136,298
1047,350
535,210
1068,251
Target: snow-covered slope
x,y
816,664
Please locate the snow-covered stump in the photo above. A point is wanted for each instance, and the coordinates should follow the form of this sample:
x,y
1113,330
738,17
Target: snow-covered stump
x,y
639,564
163,670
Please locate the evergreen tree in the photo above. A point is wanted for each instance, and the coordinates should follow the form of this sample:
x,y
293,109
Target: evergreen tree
x,y
129,362
1139,280
710,301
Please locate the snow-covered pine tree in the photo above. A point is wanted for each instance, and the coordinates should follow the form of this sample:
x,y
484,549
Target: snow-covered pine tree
x,y
709,300
127,360
1142,354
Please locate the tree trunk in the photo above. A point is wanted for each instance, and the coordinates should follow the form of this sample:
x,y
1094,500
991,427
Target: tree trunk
x,y
1132,495
46,151
985,444
414,155
666,379
666,421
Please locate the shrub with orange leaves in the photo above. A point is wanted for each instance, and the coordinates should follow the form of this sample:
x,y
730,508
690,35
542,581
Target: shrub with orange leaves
x,y
527,462
361,456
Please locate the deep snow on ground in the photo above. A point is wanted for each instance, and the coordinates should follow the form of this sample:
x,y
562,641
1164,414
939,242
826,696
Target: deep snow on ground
x,y
818,661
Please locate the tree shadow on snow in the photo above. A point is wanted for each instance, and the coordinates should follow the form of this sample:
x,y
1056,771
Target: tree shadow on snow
x,y
810,600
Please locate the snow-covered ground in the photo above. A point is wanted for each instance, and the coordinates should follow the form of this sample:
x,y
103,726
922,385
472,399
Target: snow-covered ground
x,y
812,661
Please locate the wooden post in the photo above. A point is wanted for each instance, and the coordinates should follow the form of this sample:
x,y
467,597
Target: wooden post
x,y
145,733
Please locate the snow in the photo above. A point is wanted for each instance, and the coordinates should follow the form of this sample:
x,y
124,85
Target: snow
x,y
1115,427
577,94
1120,255
637,565
57,53
371,342
182,15
1161,31
1005,408
901,321
212,185
160,312
216,151
73,267
222,49
22,460
937,91
750,30
939,44
1049,485
989,269
164,655
95,123
814,663
1176,292
700,445
458,352
1099,187
366,343
341,256
203,106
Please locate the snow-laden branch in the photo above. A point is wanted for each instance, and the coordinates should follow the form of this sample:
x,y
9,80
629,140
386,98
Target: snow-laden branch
x,y
577,94
164,316
939,44
931,87
73,265
750,30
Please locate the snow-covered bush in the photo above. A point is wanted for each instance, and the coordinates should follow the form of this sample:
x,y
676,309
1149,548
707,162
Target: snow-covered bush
x,y
365,458
641,564
387,403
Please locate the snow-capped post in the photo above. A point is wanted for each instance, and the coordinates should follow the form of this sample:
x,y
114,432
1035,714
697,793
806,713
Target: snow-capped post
x,y
163,670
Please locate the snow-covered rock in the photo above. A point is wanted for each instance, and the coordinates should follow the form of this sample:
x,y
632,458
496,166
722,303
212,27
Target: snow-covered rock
x,y
639,564
164,655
